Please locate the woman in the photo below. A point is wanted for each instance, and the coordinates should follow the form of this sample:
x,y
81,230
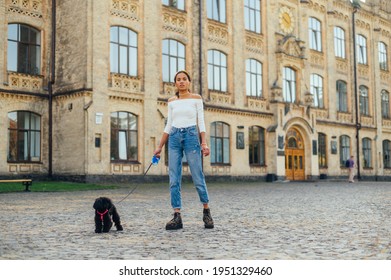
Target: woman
x,y
185,113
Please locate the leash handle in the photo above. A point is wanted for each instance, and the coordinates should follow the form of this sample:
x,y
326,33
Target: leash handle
x,y
154,161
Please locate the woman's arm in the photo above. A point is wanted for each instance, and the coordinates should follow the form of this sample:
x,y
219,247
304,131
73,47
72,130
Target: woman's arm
x,y
162,142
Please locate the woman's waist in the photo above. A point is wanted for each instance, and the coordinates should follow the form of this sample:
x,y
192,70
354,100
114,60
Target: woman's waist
x,y
186,128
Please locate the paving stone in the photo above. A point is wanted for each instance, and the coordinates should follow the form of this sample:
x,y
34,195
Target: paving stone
x,y
252,221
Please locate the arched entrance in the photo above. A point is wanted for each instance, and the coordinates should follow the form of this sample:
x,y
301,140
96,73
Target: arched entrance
x,y
294,156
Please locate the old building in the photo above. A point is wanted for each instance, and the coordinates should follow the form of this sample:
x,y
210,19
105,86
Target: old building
x,y
84,86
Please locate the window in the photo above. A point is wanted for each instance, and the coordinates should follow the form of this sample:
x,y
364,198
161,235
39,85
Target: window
x,y
361,49
339,42
219,141
252,15
366,150
387,153
123,51
179,4
344,147
217,70
124,135
174,59
256,145
253,78
216,10
24,137
342,96
316,88
385,104
289,85
322,150
364,100
24,49
315,35
383,59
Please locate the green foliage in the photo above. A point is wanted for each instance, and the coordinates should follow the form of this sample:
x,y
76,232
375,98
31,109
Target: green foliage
x,y
52,186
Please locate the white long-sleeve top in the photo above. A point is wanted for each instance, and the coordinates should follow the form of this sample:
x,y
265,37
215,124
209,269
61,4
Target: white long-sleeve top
x,y
184,113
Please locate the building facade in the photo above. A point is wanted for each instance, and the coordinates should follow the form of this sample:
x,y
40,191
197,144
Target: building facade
x,y
286,94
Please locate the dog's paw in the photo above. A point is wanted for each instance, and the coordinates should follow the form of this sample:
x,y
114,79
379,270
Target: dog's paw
x,y
98,231
119,228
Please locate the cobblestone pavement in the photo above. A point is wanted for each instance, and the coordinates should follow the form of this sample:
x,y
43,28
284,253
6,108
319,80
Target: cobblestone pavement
x,y
269,221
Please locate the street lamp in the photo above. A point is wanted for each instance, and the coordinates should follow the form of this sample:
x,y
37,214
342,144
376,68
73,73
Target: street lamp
x,y
356,6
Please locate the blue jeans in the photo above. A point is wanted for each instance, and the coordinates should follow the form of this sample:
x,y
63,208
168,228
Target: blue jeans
x,y
185,140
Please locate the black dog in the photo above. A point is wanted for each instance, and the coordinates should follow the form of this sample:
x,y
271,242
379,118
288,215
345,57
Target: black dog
x,y
104,211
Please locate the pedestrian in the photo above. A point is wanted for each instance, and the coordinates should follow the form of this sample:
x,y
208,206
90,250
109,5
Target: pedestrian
x,y
185,125
350,165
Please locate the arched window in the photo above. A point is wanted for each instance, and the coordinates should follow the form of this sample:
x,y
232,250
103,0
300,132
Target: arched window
x,y
385,104
339,42
220,143
124,137
362,49
256,145
174,59
289,85
217,70
315,34
387,153
364,100
383,57
316,88
123,51
322,150
342,96
24,142
24,49
253,78
344,148
367,152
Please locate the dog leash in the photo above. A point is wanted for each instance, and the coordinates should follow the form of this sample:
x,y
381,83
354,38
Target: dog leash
x,y
154,161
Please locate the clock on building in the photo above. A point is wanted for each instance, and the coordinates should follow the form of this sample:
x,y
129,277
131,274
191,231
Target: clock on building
x,y
286,20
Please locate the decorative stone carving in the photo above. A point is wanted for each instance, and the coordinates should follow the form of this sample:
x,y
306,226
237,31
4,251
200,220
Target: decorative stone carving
x,y
257,103
220,98
344,117
26,82
317,59
217,34
125,83
255,44
309,99
363,71
127,9
289,45
32,8
342,66
174,22
169,89
276,93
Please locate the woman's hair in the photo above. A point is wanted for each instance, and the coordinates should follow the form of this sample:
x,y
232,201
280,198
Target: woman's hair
x,y
184,72
188,77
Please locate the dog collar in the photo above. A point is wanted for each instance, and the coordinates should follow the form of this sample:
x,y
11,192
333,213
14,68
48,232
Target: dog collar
x,y
102,214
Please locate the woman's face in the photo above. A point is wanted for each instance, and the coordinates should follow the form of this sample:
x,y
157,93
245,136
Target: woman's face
x,y
182,81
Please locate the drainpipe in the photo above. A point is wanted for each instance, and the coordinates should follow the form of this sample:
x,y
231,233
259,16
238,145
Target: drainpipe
x,y
52,78
200,47
356,6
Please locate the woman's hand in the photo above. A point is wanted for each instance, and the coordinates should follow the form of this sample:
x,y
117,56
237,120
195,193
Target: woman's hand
x,y
205,150
157,152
